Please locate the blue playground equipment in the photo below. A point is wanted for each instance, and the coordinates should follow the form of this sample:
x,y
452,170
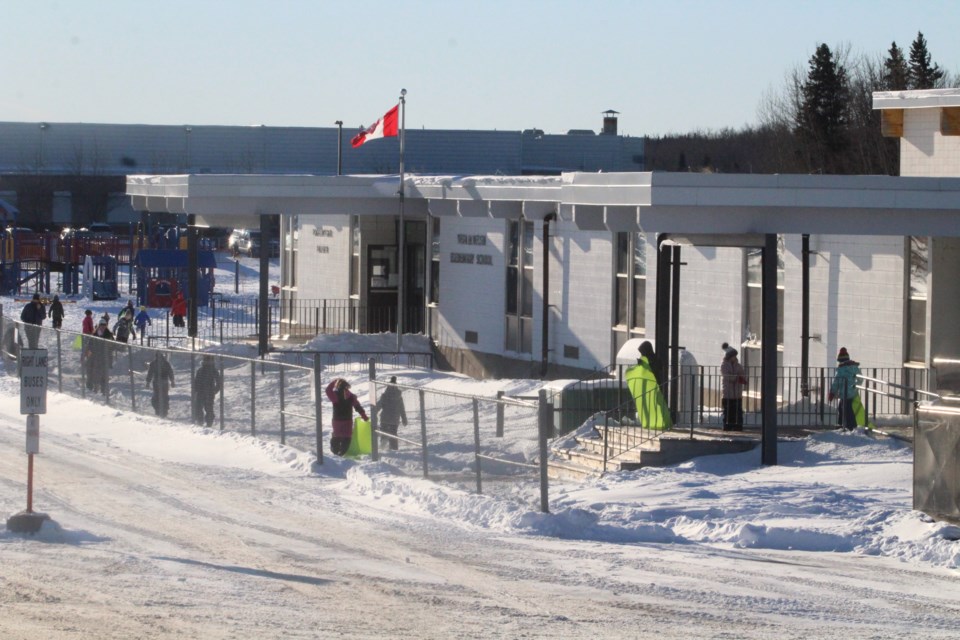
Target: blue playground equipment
x,y
163,272
100,278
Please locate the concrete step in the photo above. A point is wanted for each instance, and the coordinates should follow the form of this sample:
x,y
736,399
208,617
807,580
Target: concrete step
x,y
671,447
616,447
568,470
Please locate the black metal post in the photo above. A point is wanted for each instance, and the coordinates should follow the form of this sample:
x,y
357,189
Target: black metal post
x,y
264,342
662,329
192,279
545,297
673,376
805,316
339,124
768,350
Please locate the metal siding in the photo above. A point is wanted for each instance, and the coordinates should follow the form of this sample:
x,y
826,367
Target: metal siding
x,y
121,149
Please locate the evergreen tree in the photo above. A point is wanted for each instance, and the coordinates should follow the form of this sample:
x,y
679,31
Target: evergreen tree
x,y
923,75
823,117
896,74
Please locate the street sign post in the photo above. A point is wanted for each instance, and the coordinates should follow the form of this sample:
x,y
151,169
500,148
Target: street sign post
x,y
33,401
33,381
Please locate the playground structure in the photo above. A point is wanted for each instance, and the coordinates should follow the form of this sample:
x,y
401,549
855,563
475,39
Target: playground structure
x,y
28,257
163,272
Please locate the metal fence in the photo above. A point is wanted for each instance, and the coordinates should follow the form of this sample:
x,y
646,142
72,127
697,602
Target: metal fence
x,y
493,444
343,362
258,397
233,319
485,444
801,400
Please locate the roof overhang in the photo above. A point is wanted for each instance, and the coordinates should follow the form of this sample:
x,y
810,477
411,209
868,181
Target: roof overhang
x,y
681,203
916,99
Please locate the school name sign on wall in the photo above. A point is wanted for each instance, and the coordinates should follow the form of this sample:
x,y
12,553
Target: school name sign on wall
x,y
466,239
323,232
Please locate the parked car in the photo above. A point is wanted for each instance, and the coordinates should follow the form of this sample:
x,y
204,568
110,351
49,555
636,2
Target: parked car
x,y
247,242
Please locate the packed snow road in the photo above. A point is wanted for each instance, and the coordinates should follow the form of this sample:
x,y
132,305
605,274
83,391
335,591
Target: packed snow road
x,y
149,548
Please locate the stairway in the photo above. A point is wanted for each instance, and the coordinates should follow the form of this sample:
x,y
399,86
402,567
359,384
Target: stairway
x,y
584,458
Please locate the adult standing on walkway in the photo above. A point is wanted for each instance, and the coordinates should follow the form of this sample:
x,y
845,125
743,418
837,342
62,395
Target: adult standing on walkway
x,y
733,381
98,358
206,385
391,412
33,315
844,387
344,402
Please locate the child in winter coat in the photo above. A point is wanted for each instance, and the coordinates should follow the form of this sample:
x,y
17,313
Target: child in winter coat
x,y
142,320
391,412
178,309
56,312
344,402
844,387
733,382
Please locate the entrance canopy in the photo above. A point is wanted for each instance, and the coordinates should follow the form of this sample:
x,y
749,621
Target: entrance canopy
x,y
664,202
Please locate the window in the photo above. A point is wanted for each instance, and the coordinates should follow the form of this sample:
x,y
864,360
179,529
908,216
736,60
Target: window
x,y
630,292
435,263
754,305
354,257
919,261
519,287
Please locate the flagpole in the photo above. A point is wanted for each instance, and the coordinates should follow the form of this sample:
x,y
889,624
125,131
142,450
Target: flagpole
x,y
402,235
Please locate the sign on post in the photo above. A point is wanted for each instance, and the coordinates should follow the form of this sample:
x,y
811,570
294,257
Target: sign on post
x,y
33,434
33,381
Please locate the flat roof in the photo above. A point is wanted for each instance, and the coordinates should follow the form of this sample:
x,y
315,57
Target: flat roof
x,y
662,202
916,99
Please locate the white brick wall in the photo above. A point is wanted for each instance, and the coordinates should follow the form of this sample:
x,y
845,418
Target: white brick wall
x,y
323,260
581,295
473,296
923,151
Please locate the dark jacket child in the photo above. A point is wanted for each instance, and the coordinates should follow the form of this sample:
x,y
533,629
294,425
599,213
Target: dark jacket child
x,y
344,402
206,385
56,312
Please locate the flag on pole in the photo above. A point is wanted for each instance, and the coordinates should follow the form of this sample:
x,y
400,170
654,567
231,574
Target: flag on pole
x,y
385,127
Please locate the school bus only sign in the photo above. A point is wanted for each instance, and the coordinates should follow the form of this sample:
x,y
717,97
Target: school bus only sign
x,y
33,381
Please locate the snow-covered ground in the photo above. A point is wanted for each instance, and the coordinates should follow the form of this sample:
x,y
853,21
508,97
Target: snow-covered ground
x,y
164,530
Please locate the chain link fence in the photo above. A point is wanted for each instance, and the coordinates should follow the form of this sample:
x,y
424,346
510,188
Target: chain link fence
x,y
272,400
489,445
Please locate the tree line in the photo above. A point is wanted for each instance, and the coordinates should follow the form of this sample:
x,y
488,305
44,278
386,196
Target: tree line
x,y
820,121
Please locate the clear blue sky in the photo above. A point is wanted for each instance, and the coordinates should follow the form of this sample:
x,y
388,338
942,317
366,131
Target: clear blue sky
x,y
667,66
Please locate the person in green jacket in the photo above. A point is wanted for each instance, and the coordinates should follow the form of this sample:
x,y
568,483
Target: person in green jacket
x,y
642,380
844,388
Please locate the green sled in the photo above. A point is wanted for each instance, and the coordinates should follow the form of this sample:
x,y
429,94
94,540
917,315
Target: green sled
x,y
860,413
360,443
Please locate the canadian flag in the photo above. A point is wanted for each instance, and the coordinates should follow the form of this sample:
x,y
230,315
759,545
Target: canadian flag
x,y
382,128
